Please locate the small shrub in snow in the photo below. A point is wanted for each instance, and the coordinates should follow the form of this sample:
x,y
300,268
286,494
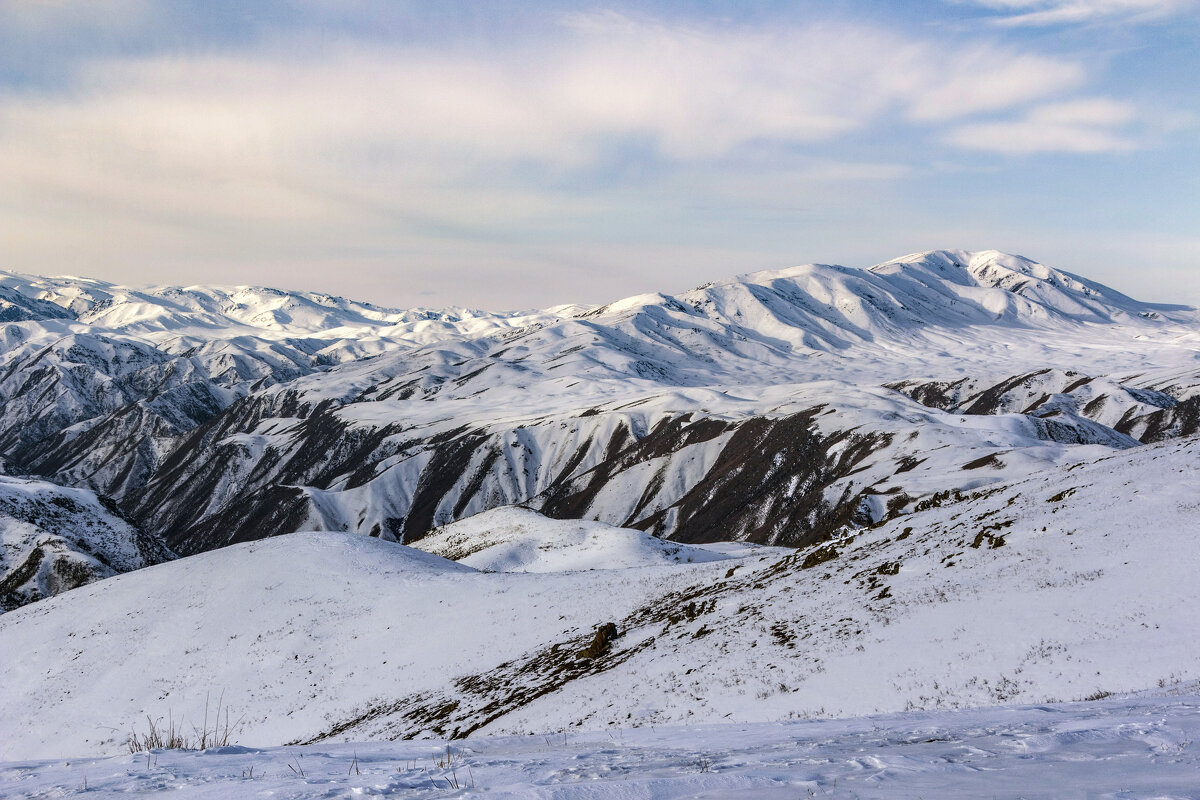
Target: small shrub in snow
x,y
172,736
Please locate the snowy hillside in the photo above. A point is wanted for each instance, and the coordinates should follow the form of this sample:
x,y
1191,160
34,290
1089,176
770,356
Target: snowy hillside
x,y
774,407
1027,592
97,380
221,312
53,539
510,539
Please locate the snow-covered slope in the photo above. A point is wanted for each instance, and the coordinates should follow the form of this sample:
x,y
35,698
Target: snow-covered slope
x,y
53,539
512,539
1097,408
656,388
217,311
1028,592
775,465
1030,291
1143,745
788,326
295,630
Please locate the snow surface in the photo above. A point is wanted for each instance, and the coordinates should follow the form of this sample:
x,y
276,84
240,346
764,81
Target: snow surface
x,y
294,629
1139,747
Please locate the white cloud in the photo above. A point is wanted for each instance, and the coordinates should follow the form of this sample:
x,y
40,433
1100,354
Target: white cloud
x,y
1057,12
692,92
1081,126
285,154
976,83
1089,112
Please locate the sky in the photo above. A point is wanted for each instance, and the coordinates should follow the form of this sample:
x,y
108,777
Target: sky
x,y
502,154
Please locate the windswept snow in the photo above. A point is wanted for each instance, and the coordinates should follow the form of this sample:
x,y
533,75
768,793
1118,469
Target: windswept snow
x,y
1134,747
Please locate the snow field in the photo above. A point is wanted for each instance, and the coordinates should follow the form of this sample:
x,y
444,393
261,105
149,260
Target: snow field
x,y
1142,747
296,632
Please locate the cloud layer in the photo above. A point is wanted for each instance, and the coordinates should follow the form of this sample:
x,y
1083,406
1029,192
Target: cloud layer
x,y
308,151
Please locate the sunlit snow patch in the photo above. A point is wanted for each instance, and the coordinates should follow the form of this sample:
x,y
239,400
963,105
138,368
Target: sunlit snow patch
x,y
514,539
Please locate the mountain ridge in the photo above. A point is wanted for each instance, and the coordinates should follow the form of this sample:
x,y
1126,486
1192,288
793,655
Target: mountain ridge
x,y
654,412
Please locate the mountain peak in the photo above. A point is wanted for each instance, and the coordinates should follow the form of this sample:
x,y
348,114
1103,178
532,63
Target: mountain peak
x,y
1042,290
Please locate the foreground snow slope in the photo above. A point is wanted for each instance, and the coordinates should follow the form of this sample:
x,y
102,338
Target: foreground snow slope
x,y
1136,747
297,631
1076,581
1031,592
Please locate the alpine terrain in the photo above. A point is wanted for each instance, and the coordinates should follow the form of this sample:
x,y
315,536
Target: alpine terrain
x,y
952,480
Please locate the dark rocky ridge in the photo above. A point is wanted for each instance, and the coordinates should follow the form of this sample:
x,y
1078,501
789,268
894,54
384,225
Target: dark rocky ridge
x,y
1064,407
767,484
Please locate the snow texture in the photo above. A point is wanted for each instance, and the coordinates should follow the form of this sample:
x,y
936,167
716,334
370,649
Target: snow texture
x,y
1141,747
509,539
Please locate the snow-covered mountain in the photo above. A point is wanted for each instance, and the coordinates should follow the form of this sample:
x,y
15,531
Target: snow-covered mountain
x,y
97,380
735,409
770,407
217,312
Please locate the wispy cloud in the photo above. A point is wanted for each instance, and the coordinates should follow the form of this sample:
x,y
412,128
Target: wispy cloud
x,y
424,117
1095,125
1059,12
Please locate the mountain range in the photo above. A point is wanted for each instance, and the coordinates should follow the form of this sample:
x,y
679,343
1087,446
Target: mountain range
x,y
773,407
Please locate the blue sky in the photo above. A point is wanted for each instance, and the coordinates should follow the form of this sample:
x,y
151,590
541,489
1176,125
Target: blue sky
x,y
516,154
